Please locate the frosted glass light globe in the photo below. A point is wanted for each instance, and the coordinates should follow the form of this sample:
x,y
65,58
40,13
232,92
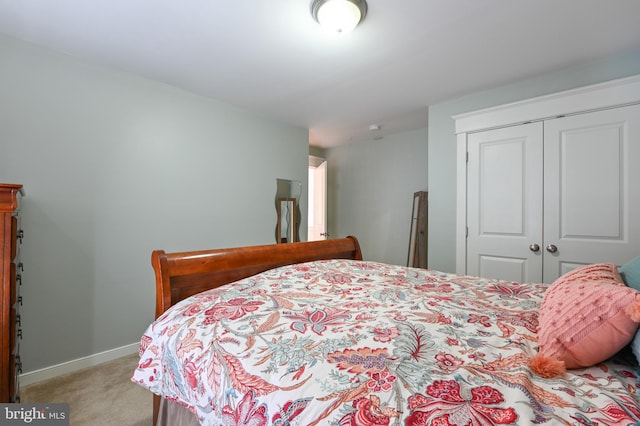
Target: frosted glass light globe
x,y
339,16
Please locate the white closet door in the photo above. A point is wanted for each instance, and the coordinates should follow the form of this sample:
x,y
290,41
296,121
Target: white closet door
x,y
591,189
504,203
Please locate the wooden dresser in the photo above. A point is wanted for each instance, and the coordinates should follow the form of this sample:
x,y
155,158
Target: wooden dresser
x,y
10,299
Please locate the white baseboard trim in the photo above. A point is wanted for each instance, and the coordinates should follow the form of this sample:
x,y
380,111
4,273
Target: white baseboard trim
x,y
77,364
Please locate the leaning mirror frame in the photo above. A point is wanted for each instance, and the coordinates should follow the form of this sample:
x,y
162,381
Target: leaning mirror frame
x,y
288,210
286,220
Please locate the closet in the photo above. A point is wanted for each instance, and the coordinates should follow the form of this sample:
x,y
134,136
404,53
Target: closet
x,y
549,184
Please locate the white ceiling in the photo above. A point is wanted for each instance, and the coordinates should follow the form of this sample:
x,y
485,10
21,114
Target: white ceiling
x,y
271,57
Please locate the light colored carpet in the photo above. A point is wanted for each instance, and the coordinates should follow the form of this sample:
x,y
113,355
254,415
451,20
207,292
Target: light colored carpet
x,y
98,396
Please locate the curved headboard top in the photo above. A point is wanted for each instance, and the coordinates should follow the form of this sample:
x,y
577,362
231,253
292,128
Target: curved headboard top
x,y
182,274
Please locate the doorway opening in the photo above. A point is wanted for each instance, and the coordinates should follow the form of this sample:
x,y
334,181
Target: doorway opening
x,y
317,219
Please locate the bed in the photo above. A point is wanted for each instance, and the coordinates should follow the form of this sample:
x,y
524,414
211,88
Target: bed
x,y
311,334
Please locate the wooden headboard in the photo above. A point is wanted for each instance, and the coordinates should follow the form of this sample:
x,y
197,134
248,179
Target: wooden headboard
x,y
182,274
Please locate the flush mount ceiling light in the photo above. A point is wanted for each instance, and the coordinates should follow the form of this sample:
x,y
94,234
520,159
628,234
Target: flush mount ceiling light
x,y
339,16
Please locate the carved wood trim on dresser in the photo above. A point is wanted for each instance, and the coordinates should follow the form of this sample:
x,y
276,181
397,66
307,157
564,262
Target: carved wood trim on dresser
x,y
10,299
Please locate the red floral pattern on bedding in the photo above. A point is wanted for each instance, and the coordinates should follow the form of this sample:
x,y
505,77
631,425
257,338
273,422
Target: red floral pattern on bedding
x,y
449,404
342,342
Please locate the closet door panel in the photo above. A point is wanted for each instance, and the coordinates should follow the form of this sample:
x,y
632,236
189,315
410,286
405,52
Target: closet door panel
x,y
591,189
504,184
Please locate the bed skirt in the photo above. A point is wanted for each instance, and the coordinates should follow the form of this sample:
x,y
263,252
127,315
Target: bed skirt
x,y
172,414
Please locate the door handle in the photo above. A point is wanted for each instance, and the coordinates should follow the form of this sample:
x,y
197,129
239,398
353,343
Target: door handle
x,y
534,247
551,248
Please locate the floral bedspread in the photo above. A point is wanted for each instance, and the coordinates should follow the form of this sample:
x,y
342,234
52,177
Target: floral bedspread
x,y
343,342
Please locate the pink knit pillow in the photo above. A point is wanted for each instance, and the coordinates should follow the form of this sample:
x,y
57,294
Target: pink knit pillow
x,y
587,315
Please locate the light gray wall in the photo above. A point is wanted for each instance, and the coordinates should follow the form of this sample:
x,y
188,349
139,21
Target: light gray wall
x,y
442,140
115,166
371,186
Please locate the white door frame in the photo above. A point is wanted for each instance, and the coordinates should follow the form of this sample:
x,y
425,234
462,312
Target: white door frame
x,y
317,221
